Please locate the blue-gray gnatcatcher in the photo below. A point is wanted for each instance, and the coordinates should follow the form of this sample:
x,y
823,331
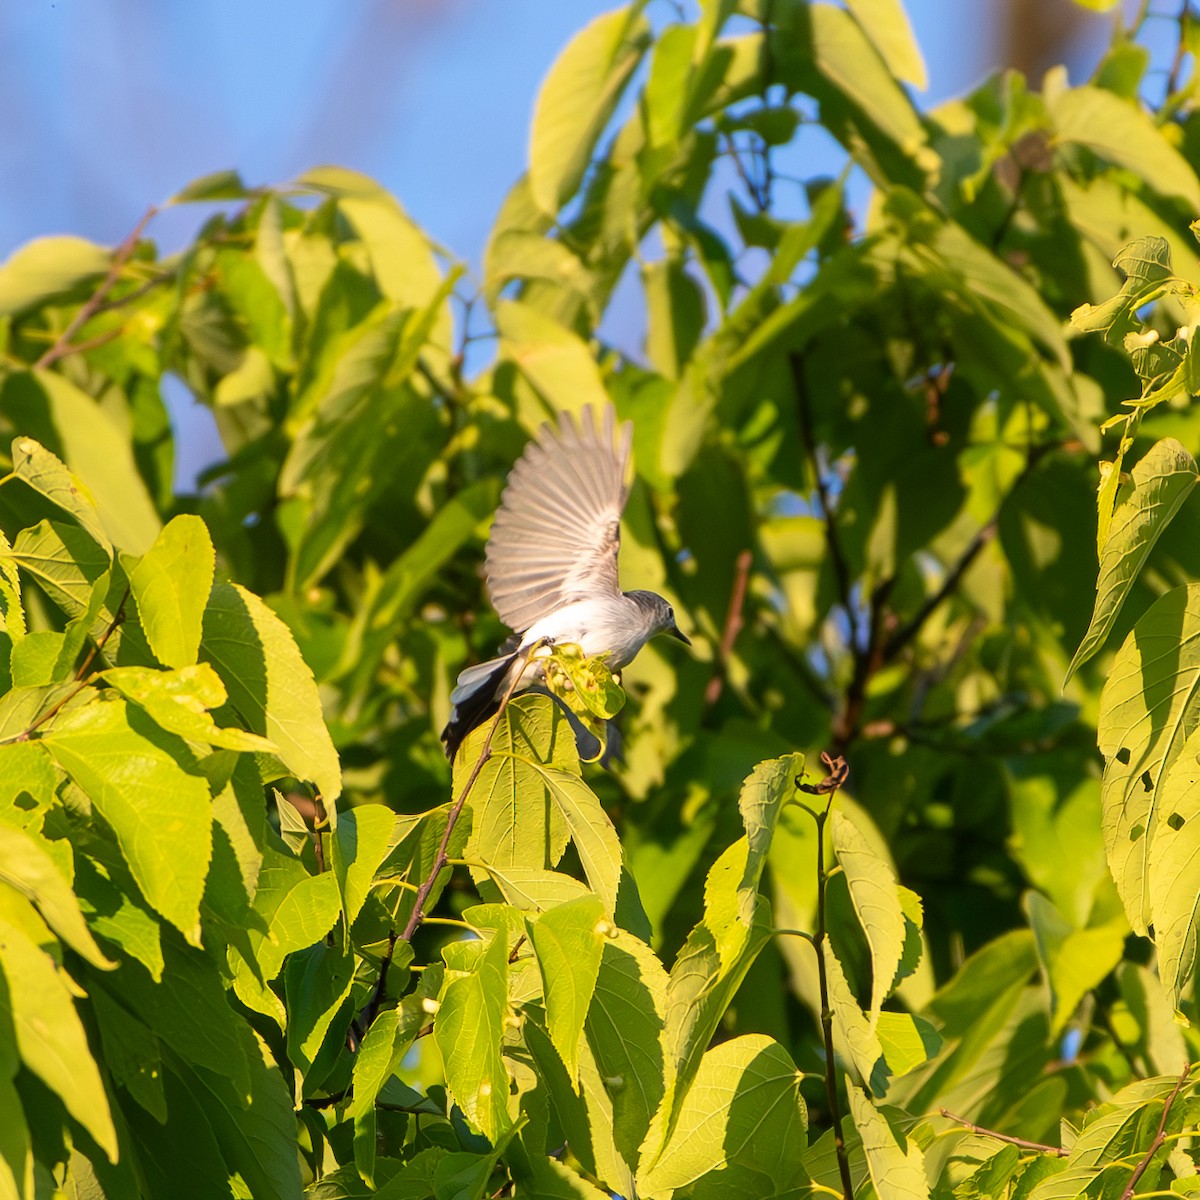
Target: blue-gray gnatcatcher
x,y
552,564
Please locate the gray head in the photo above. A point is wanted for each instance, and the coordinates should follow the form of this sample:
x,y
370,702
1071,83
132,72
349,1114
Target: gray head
x,y
659,613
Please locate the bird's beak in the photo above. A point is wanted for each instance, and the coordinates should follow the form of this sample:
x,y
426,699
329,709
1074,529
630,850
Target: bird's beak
x,y
676,632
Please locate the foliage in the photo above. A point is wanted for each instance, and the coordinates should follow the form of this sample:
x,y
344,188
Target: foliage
x,y
257,938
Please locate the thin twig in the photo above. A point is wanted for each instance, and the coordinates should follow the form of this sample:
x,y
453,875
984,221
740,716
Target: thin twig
x,y
906,633
910,629
841,569
1140,1169
91,306
98,646
733,626
837,775
867,661
320,822
1058,1151
80,681
440,861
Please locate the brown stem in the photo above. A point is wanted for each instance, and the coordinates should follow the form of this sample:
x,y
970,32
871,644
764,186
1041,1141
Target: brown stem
x,y
733,626
867,661
1058,1151
320,821
62,346
910,629
440,859
838,773
81,681
841,569
1159,1137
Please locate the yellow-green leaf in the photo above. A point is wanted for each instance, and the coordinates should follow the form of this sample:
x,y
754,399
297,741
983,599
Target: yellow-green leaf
x,y
742,1126
36,1005
578,98
568,941
135,774
877,904
270,684
171,584
1162,481
1149,705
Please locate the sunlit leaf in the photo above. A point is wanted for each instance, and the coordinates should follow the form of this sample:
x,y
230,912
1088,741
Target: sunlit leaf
x,y
171,585
576,100
1162,480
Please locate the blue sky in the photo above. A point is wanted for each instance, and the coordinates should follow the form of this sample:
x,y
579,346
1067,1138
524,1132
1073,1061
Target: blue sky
x,y
113,104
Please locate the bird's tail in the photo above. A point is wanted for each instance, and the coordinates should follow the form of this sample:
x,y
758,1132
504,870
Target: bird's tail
x,y
474,700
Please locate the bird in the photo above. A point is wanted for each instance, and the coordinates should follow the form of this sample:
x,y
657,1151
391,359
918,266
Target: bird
x,y
551,565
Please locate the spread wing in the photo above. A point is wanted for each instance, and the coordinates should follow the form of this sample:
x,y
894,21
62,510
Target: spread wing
x,y
556,535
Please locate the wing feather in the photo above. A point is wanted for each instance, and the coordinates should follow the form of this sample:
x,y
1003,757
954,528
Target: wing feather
x,y
558,529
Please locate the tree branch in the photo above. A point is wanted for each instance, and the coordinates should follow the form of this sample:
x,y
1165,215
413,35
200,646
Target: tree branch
x,y
1159,1137
841,569
440,860
1057,1151
910,629
838,772
62,346
733,626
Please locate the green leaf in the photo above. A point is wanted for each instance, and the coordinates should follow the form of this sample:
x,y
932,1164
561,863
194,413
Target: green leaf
x,y
48,267
136,775
97,450
317,982
294,910
362,841
886,23
256,1127
36,1009
766,790
220,185
514,820
533,890
16,1151
907,1041
742,1128
844,56
568,941
704,978
1162,481
270,684
64,560
171,585
132,1053
1074,961
624,1030
1150,703
1120,131
26,866
856,1038
50,477
1173,871
877,903
187,1008
469,1033
401,255
897,1170
591,830
555,361
179,702
577,99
